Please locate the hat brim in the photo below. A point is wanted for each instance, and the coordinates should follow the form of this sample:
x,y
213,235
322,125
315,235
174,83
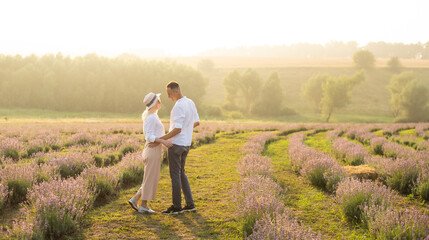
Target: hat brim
x,y
158,95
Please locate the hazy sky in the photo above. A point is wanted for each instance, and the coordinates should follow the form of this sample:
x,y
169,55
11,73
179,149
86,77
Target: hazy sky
x,y
186,27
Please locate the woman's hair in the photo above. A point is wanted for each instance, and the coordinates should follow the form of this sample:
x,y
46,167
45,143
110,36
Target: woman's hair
x,y
147,111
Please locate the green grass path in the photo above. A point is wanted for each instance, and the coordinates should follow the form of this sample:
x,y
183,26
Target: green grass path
x,y
211,169
320,142
311,206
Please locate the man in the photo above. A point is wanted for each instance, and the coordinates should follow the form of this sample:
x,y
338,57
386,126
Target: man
x,y
183,119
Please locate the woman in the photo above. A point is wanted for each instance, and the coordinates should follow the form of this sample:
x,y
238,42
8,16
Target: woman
x,y
152,156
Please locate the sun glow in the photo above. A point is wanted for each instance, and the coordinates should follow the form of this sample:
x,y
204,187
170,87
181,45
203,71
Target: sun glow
x,y
173,28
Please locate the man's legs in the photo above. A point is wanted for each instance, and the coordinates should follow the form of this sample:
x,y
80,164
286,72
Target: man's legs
x,y
186,188
174,159
179,181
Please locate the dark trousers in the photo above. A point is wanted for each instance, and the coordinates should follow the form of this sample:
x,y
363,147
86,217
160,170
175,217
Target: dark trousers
x,y
179,181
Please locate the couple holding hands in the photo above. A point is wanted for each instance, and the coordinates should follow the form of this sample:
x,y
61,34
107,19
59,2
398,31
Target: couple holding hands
x,y
183,119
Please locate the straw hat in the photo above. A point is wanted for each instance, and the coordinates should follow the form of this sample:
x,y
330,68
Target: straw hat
x,y
150,99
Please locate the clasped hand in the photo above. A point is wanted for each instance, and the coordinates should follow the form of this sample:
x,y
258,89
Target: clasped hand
x,y
166,143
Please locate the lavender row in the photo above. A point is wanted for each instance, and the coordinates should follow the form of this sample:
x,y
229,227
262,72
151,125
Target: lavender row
x,y
257,192
350,152
404,170
16,150
257,197
61,204
359,198
319,168
55,209
19,141
371,206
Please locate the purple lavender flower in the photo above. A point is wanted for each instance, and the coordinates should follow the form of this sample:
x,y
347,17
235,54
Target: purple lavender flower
x,y
105,181
257,195
253,164
423,146
82,138
421,129
321,169
352,153
391,223
60,202
354,195
281,226
256,143
3,193
71,164
361,134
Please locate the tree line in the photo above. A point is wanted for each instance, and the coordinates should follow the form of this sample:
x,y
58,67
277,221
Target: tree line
x,y
248,94
409,96
332,49
92,83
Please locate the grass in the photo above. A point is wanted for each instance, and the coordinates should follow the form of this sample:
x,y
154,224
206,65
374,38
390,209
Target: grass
x,y
24,113
411,131
319,142
379,133
211,170
49,116
311,206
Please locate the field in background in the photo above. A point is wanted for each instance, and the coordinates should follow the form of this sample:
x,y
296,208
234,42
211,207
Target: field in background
x,y
279,62
40,115
45,116
371,99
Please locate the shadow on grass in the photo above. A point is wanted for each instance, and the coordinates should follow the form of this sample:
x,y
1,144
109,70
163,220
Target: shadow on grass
x,y
163,230
198,226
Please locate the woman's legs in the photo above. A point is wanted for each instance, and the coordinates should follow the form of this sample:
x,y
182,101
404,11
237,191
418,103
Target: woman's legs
x,y
144,204
151,176
137,197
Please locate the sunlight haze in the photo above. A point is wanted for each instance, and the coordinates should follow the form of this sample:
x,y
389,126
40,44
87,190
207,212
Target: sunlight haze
x,y
184,28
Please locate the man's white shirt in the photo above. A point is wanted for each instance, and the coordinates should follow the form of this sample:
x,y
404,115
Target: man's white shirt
x,y
183,115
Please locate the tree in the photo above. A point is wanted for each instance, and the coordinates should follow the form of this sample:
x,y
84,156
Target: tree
x,y
425,50
230,84
409,98
92,83
394,65
205,65
246,85
271,97
364,59
336,92
312,89
397,82
250,85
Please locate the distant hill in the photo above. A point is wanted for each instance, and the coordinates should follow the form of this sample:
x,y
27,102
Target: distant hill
x,y
368,98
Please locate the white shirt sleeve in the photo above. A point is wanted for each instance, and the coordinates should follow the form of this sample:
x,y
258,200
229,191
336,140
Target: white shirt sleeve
x,y
178,116
149,129
196,117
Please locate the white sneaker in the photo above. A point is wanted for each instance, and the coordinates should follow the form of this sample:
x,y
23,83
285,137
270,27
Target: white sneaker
x,y
133,204
146,210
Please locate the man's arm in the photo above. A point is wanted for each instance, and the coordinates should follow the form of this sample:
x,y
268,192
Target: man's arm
x,y
167,136
171,134
196,124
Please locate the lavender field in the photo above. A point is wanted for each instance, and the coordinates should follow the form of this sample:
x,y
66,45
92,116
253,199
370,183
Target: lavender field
x,y
251,180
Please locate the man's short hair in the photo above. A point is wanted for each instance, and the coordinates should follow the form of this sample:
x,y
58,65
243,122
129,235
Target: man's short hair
x,y
173,85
